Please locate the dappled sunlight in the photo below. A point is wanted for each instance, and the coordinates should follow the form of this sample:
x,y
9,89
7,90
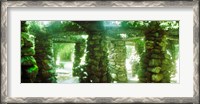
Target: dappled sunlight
x,y
100,51
131,57
175,79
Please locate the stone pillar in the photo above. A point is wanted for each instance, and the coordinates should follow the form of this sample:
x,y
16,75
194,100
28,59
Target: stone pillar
x,y
155,62
117,59
96,59
29,68
45,60
79,52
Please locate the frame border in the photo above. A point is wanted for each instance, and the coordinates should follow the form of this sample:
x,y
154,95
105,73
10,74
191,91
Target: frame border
x,y
4,53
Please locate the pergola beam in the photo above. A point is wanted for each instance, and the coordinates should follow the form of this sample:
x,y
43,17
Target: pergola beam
x,y
113,32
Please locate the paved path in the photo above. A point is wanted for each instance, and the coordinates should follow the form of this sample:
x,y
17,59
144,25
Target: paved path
x,y
64,75
131,79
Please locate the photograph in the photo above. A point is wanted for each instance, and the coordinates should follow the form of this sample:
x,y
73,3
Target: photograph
x,y
103,51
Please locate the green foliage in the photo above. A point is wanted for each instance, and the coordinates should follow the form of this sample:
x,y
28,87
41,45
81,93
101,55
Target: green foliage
x,y
139,46
33,69
55,27
138,28
23,26
82,73
27,40
141,71
28,51
65,51
79,53
173,55
173,49
135,68
28,61
151,29
141,75
166,25
34,27
71,26
22,42
135,24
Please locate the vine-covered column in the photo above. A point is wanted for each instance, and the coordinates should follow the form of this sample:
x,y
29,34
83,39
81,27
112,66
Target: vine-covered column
x,y
96,68
29,67
79,52
117,59
45,60
156,64
96,59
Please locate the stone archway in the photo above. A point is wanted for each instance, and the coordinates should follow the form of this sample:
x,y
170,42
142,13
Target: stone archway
x,y
79,50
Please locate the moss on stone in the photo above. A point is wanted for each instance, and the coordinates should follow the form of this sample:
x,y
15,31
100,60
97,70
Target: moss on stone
x,y
28,60
157,77
33,69
155,69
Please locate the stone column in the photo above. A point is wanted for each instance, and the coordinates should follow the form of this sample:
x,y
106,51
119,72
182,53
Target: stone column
x,y
155,62
117,59
96,59
79,52
29,68
45,60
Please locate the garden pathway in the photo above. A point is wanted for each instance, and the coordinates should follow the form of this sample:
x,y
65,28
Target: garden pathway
x,y
64,75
